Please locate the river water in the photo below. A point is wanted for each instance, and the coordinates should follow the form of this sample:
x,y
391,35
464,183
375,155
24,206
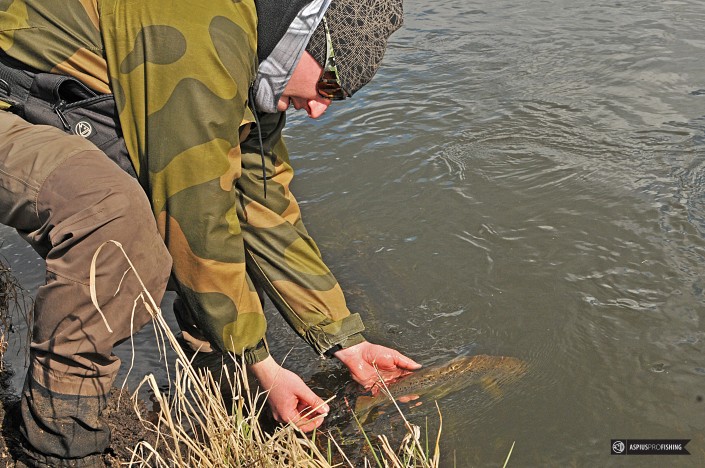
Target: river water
x,y
523,179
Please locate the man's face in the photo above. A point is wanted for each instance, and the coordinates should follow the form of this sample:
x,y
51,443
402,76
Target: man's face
x,y
301,89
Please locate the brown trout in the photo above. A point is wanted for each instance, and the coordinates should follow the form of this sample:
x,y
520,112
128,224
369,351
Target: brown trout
x,y
438,381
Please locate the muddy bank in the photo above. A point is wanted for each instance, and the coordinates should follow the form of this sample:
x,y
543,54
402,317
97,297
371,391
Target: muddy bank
x,y
126,428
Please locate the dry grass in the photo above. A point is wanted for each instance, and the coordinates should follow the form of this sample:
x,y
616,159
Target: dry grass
x,y
12,297
195,426
413,452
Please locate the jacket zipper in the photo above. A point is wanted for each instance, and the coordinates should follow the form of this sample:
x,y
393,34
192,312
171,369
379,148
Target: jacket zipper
x,y
58,108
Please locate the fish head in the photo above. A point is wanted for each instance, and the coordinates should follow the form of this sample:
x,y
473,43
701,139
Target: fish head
x,y
498,370
484,362
511,365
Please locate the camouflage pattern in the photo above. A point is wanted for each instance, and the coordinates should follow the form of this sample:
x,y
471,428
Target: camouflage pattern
x,y
180,74
282,258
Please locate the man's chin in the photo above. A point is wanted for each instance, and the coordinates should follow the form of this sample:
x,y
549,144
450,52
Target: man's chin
x,y
283,104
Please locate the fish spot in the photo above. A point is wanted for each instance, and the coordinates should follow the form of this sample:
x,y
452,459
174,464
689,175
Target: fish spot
x,y
158,44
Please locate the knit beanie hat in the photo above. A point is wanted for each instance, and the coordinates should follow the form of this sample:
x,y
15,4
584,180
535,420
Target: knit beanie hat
x,y
359,31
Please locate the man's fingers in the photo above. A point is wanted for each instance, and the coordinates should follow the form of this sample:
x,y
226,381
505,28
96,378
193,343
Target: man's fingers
x,y
407,398
308,424
313,402
407,363
391,358
309,418
310,410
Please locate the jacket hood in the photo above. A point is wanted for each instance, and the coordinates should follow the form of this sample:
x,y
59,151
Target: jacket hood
x,y
273,19
283,31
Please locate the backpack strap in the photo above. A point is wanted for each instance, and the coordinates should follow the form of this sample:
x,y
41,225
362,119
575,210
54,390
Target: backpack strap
x,y
64,102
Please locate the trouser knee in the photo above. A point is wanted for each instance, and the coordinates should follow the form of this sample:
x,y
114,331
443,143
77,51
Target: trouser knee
x,y
68,200
104,257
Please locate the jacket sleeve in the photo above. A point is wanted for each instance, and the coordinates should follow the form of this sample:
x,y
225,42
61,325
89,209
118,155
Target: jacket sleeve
x,y
281,257
181,72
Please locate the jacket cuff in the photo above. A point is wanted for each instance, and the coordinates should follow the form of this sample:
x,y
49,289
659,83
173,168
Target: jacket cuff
x,y
350,341
256,354
343,333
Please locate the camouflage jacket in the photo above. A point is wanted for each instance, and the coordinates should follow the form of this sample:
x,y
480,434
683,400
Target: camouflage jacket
x,y
180,73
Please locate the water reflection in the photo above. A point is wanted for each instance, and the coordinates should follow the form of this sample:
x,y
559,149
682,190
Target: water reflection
x,y
548,167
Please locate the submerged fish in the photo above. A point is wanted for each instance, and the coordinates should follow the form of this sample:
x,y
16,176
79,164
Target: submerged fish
x,y
435,382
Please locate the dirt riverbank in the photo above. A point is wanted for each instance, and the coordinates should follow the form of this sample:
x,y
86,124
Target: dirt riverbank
x,y
126,428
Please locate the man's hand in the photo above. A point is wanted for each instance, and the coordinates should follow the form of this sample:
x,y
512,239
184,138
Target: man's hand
x,y
289,397
363,358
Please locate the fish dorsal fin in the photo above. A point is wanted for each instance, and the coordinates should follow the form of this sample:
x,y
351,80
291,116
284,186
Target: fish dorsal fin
x,y
491,386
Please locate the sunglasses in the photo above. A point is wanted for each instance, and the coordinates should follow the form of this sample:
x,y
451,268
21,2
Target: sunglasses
x,y
329,85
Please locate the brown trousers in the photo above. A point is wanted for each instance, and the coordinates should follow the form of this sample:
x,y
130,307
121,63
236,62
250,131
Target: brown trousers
x,y
66,198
